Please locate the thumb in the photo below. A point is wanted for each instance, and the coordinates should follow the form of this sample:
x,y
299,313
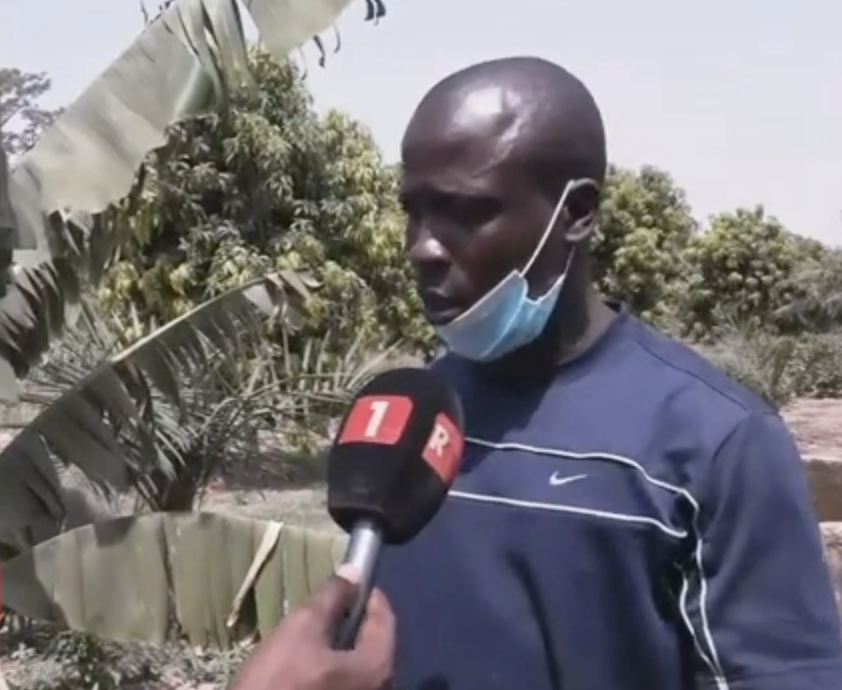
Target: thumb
x,y
333,599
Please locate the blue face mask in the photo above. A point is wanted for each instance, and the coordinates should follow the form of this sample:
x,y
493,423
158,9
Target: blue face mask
x,y
506,317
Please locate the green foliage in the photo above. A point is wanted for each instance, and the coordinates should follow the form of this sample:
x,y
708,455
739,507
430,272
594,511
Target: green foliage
x,y
45,657
757,359
816,367
191,59
271,185
779,367
740,268
645,228
266,185
165,414
766,304
816,286
151,415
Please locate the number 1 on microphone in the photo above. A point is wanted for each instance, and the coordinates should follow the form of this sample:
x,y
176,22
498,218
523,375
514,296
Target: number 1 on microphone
x,y
378,414
376,419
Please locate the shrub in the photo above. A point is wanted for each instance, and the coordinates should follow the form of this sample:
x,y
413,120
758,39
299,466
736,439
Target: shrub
x,y
815,370
39,657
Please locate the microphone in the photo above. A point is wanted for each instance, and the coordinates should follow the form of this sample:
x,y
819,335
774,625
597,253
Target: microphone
x,y
395,457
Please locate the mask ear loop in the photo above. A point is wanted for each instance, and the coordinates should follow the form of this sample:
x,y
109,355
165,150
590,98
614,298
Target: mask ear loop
x,y
550,226
573,184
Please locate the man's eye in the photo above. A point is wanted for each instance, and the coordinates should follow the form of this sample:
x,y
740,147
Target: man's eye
x,y
474,210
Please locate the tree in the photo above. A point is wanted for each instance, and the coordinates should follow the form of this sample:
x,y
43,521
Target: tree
x,y
22,119
189,60
816,286
271,186
741,268
760,360
645,228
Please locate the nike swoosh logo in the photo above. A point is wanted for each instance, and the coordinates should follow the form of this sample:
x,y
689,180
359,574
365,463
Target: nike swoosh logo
x,y
557,480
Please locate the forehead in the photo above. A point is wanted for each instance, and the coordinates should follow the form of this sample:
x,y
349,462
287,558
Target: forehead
x,y
462,143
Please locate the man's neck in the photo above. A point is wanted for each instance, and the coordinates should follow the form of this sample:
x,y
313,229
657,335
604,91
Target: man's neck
x,y
598,318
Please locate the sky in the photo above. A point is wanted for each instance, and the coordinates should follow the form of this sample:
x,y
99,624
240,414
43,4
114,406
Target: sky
x,y
739,100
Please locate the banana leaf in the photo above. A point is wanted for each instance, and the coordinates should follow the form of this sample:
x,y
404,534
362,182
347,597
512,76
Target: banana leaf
x,y
185,62
221,580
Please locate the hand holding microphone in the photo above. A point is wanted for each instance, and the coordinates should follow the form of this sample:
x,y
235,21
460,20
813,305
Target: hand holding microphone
x,y
398,450
298,654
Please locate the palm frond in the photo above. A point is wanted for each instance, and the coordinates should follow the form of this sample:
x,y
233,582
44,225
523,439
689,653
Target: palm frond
x,y
817,285
160,416
757,359
122,423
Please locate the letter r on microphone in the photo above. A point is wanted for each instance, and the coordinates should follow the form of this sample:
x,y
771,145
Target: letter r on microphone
x,y
443,451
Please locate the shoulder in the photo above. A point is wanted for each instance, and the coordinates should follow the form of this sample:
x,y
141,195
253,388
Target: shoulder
x,y
696,405
442,363
678,362
643,392
689,384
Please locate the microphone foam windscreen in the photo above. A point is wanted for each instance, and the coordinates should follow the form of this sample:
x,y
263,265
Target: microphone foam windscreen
x,y
398,450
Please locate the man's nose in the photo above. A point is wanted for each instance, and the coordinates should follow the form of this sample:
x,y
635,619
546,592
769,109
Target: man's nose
x,y
425,249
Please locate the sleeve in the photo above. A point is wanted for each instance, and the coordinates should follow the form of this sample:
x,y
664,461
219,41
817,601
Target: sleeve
x,y
757,596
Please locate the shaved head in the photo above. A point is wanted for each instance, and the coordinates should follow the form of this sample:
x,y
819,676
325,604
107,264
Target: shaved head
x,y
540,115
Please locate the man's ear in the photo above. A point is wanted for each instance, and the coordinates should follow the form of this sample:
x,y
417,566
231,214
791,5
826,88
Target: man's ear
x,y
581,212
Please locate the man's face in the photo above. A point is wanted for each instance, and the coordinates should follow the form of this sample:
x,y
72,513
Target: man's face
x,y
472,215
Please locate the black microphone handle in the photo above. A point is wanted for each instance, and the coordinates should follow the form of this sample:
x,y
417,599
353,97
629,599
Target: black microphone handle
x,y
362,553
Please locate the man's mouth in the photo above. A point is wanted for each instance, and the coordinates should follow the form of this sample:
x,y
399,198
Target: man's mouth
x,y
438,308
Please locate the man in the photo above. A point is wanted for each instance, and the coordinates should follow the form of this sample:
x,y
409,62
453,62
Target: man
x,y
627,516
298,655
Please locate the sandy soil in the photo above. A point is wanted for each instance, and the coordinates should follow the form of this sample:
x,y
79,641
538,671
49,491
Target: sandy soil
x,y
817,425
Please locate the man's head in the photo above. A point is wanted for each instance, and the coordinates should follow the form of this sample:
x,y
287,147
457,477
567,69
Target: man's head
x,y
486,157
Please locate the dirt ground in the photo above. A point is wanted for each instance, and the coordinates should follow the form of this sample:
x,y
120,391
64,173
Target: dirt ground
x,y
817,425
263,488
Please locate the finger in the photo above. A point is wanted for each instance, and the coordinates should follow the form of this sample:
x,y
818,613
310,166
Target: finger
x,y
330,603
349,572
379,628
